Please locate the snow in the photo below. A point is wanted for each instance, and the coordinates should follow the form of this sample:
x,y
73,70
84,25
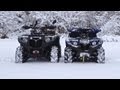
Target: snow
x,y
108,21
47,70
110,38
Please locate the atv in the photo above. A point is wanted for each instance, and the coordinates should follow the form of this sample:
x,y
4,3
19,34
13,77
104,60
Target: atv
x,y
42,42
83,45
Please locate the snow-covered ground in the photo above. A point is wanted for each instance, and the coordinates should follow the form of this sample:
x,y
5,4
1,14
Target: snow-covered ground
x,y
47,70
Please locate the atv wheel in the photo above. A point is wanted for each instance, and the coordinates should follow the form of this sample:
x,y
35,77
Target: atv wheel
x,y
68,55
19,56
54,58
101,55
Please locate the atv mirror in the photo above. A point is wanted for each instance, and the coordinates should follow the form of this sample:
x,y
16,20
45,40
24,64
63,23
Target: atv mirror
x,y
96,30
54,22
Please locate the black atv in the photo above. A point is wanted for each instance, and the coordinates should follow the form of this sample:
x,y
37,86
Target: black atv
x,y
84,45
42,42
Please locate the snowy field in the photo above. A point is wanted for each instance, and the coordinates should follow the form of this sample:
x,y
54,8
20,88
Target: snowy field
x,y
47,70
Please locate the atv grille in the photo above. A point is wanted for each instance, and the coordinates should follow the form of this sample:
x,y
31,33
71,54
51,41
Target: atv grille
x,y
35,43
84,47
39,43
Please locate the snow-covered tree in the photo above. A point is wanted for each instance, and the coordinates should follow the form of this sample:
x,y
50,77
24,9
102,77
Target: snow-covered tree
x,y
13,21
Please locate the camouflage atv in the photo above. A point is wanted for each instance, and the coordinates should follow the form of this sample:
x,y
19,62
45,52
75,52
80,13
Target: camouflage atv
x,y
42,42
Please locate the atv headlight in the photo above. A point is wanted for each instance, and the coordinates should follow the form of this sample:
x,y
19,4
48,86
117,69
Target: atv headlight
x,y
31,38
75,43
40,37
47,39
24,38
94,43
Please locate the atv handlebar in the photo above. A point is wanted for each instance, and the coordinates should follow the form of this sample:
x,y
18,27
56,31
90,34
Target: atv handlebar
x,y
84,30
45,27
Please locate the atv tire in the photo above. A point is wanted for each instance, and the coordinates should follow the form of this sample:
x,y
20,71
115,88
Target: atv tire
x,y
101,55
68,55
19,56
54,54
